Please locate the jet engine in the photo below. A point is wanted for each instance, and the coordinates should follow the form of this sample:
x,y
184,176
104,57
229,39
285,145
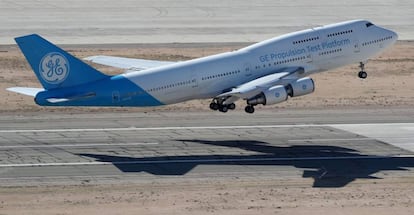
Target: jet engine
x,y
300,87
273,95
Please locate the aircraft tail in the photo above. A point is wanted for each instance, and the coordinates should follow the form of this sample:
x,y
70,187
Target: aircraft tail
x,y
54,67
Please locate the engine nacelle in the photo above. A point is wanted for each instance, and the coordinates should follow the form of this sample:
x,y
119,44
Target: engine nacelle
x,y
270,96
300,87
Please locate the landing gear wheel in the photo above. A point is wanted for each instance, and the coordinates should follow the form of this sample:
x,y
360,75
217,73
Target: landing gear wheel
x,y
231,106
214,106
249,109
362,75
223,108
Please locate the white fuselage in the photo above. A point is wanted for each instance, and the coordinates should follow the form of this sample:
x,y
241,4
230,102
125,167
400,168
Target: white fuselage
x,y
316,50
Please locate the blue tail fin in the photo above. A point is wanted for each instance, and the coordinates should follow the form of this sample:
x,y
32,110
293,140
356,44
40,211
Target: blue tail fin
x,y
54,67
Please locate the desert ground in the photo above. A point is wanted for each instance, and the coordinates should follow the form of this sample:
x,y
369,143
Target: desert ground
x,y
213,197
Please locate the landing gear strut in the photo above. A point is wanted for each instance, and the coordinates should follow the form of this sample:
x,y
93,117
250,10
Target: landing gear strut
x,y
362,74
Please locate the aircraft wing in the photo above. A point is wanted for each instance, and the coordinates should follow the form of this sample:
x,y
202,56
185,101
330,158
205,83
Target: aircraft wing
x,y
126,63
252,88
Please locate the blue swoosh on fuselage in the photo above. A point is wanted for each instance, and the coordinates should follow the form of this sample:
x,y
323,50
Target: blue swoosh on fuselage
x,y
112,91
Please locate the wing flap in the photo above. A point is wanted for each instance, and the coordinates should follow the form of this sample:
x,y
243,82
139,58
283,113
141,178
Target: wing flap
x,y
254,87
127,63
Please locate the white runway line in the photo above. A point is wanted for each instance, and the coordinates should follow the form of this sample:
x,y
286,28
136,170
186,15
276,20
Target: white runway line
x,y
198,127
347,139
200,161
155,128
75,145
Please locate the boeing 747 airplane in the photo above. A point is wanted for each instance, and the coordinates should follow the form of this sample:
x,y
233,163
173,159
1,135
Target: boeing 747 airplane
x,y
264,73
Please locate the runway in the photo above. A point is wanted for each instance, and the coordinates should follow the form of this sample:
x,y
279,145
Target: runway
x,y
178,21
321,148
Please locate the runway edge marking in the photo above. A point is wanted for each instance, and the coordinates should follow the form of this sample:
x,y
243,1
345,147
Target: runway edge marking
x,y
192,127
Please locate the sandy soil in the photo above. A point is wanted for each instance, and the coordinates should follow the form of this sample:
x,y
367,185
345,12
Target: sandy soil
x,y
388,84
391,196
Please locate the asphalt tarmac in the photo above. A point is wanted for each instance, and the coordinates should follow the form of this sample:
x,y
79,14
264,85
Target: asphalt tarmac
x,y
323,148
181,21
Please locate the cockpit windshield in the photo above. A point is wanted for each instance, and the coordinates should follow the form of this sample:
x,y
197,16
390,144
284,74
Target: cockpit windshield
x,y
369,24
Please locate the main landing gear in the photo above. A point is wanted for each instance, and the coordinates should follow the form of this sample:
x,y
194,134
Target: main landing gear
x,y
362,74
249,109
218,105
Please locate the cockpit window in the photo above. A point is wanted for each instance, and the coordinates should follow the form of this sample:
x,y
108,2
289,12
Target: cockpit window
x,y
369,24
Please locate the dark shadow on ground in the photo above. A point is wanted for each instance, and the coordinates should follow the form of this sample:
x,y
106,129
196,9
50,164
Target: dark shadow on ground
x,y
329,166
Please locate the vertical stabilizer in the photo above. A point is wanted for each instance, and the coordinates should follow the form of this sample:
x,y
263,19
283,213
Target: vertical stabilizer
x,y
54,67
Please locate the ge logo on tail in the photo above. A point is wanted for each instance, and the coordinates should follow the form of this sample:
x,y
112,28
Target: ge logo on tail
x,y
54,68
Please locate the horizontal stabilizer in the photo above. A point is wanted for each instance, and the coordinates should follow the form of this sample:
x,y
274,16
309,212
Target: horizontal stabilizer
x,y
126,63
26,90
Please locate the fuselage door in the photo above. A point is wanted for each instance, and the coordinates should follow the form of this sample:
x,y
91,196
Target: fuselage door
x,y
116,97
314,45
194,78
356,46
247,70
309,58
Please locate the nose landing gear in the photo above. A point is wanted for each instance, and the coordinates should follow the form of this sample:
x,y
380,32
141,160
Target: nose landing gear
x,y
362,74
